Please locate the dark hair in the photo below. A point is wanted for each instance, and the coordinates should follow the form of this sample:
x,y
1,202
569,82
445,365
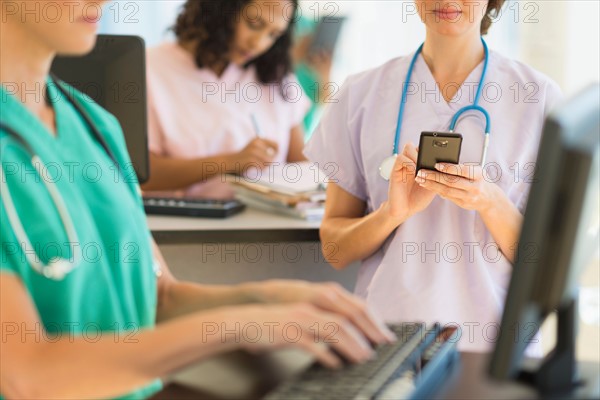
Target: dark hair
x,y
492,11
211,24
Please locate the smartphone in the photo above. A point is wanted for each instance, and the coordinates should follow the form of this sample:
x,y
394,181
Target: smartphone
x,y
436,147
327,34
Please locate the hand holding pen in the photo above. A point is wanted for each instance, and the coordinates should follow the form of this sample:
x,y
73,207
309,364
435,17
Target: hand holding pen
x,y
271,150
258,153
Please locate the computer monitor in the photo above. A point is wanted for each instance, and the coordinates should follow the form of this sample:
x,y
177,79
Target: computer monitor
x,y
559,238
114,75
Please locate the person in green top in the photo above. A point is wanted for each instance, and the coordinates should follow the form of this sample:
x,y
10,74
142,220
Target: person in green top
x,y
313,72
109,319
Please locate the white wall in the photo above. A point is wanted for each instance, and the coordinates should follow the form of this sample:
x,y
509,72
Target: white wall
x,y
150,19
561,38
582,57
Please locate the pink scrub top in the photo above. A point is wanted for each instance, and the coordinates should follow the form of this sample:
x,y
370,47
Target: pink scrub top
x,y
441,264
193,113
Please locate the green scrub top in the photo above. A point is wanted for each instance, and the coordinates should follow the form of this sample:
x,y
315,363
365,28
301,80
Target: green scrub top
x,y
113,290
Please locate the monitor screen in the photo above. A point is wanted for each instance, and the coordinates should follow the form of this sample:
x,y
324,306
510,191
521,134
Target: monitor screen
x,y
559,236
114,75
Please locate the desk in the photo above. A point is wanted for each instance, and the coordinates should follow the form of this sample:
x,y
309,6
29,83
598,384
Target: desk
x,y
251,246
250,225
241,376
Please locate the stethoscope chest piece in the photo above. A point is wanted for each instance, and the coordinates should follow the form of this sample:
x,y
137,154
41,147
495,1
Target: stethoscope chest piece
x,y
387,166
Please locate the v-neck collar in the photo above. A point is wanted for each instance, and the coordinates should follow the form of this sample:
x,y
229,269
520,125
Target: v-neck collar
x,y
21,118
463,97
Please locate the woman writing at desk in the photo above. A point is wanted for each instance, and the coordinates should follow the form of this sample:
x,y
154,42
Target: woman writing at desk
x,y
88,307
222,98
437,246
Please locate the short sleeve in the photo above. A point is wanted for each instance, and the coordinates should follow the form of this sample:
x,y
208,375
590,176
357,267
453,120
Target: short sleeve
x,y
554,96
334,146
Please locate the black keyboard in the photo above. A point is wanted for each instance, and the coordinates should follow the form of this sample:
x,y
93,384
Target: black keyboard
x,y
192,208
411,368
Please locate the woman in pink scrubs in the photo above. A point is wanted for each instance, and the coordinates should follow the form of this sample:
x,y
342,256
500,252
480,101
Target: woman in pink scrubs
x,y
222,98
438,246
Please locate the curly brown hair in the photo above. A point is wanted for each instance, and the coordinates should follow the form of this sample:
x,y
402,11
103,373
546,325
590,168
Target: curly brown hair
x,y
493,9
212,23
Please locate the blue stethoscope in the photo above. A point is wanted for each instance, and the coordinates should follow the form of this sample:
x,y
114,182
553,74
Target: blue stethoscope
x,y
385,170
57,268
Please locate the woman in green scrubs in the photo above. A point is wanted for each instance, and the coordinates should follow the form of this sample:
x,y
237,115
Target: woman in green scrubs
x,y
115,320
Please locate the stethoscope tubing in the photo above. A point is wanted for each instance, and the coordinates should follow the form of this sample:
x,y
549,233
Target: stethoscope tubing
x,y
474,107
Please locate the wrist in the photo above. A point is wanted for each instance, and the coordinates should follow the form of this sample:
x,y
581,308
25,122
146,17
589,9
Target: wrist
x,y
495,200
390,218
259,292
230,164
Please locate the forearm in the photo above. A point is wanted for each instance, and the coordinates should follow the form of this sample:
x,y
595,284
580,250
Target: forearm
x,y
114,364
345,240
176,173
184,298
503,220
296,149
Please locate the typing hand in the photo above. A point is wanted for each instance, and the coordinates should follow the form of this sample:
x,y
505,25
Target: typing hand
x,y
257,154
323,334
330,297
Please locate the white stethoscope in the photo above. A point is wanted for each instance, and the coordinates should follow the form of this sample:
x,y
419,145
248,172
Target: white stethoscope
x,y
57,268
385,169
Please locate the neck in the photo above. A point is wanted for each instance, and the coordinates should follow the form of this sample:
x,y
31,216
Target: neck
x,y
24,66
452,56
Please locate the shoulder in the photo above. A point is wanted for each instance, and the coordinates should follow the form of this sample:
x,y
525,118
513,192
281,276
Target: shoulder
x,y
168,60
523,77
106,123
517,70
375,82
378,75
103,119
161,52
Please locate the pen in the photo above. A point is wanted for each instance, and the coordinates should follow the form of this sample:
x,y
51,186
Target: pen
x,y
257,130
259,134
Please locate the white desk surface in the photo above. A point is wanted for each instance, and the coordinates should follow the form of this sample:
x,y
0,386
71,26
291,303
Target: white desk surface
x,y
249,219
